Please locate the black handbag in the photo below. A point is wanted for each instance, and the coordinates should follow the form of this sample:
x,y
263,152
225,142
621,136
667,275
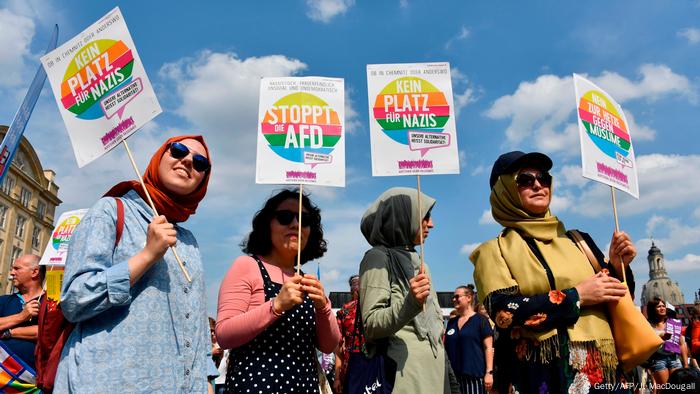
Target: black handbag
x,y
376,374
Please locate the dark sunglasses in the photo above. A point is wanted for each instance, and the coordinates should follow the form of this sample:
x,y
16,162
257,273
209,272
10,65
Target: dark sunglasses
x,y
179,151
457,296
285,217
527,179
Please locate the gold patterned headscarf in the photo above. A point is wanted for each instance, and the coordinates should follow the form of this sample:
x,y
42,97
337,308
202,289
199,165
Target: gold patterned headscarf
x,y
507,264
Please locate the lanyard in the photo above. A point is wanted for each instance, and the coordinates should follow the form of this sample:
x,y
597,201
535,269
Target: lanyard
x,y
23,301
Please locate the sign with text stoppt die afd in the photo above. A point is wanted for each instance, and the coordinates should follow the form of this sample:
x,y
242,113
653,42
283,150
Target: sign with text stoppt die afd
x,y
301,131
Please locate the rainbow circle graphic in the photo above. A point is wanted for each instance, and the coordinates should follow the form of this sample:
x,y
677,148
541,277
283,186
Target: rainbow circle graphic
x,y
410,103
63,232
604,124
99,68
298,123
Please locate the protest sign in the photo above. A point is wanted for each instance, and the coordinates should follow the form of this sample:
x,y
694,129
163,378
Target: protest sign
x,y
57,248
607,154
9,144
101,87
412,120
301,131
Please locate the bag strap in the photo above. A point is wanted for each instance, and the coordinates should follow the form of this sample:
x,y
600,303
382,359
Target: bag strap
x,y
120,220
533,248
358,311
580,243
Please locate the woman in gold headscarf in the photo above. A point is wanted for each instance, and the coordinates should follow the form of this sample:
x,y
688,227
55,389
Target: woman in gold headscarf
x,y
540,289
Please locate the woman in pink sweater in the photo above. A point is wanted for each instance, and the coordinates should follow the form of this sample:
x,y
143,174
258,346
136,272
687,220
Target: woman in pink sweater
x,y
271,318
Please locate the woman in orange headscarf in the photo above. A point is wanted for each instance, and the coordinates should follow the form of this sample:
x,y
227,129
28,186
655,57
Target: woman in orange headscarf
x,y
140,326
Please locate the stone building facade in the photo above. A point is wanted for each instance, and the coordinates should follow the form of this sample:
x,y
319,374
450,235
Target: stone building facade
x,y
28,201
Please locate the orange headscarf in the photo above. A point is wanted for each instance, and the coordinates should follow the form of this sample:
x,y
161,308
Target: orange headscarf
x,y
176,208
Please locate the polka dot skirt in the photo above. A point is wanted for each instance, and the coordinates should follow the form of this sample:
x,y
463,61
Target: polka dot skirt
x,y
281,358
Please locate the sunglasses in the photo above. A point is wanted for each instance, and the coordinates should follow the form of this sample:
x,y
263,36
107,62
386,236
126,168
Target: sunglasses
x,y
285,217
179,151
527,179
458,296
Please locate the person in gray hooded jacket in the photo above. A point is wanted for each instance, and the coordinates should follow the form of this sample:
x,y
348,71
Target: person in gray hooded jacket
x,y
398,303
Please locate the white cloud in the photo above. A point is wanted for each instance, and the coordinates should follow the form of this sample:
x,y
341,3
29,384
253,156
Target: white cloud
x,y
671,234
664,185
696,213
353,122
16,33
534,106
569,175
463,34
691,34
403,3
689,262
467,249
325,10
560,203
19,22
43,12
469,94
537,110
480,169
487,217
640,132
218,95
657,81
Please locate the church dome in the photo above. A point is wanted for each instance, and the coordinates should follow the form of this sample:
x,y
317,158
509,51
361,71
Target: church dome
x,y
659,284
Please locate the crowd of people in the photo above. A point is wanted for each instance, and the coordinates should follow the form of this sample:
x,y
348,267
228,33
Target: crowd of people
x,y
534,322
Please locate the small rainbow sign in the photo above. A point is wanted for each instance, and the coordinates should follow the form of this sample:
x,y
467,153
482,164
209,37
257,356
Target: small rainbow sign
x,y
57,248
410,103
62,233
299,123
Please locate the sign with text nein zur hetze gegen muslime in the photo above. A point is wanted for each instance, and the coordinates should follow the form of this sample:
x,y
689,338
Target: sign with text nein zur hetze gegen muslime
x,y
101,87
301,131
412,120
607,154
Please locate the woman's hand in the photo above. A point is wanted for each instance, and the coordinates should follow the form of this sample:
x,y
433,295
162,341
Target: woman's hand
x,y
159,237
600,288
488,382
622,250
290,295
314,288
420,288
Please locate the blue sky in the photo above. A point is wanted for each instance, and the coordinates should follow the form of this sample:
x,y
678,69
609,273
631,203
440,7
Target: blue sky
x,y
511,70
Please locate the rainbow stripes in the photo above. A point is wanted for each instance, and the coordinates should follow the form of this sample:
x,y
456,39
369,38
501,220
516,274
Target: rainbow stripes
x,y
301,122
604,124
410,103
98,69
15,375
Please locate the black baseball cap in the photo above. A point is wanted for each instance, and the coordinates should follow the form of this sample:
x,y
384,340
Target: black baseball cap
x,y
511,161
